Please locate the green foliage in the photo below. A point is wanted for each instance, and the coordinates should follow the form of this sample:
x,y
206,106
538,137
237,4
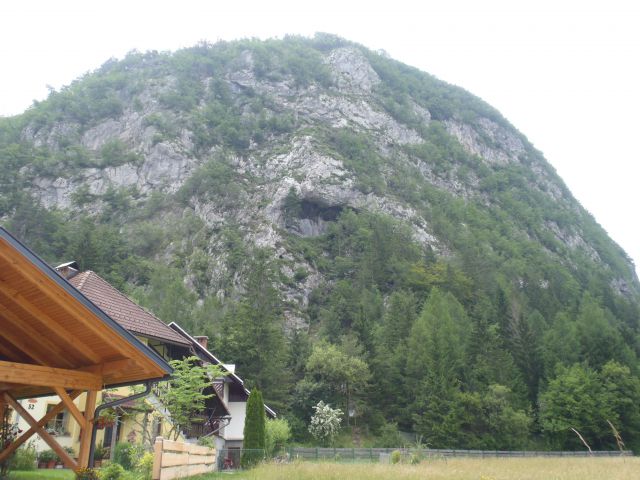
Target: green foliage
x,y
113,471
125,456
87,474
144,466
48,455
396,456
25,458
277,434
389,437
252,330
184,394
254,434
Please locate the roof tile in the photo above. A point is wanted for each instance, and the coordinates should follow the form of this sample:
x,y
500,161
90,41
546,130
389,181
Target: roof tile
x,y
123,310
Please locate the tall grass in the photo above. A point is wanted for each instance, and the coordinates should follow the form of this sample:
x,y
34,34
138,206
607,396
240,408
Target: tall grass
x,y
459,469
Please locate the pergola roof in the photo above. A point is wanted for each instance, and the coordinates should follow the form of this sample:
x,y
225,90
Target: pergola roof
x,y
52,336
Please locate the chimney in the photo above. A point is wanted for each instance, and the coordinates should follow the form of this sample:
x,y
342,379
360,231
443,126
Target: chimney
x,y
203,340
68,270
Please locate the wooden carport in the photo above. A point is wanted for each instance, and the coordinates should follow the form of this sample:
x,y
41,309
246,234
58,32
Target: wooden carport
x,y
54,341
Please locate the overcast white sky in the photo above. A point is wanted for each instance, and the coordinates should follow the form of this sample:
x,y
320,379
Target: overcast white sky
x,y
566,73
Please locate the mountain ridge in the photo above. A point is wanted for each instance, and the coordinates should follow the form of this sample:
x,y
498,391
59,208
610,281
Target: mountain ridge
x,y
314,187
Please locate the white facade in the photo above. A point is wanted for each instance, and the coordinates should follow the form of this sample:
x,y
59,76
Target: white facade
x,y
235,429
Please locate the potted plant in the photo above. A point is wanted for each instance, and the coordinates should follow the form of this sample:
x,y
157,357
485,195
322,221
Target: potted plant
x,y
107,418
101,452
47,458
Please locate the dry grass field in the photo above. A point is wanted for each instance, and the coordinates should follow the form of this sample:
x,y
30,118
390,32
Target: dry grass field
x,y
457,469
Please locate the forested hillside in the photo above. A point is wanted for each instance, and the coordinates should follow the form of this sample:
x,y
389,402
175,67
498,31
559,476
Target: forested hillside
x,y
345,228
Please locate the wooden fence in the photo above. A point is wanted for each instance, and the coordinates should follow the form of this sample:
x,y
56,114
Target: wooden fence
x,y
179,460
381,454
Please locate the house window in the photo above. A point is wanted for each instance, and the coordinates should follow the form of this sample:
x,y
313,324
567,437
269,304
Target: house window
x,y
57,424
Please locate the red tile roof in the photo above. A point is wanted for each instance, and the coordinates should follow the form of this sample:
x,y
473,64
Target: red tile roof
x,y
123,310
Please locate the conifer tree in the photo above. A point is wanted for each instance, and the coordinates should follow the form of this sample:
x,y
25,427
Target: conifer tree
x,y
254,430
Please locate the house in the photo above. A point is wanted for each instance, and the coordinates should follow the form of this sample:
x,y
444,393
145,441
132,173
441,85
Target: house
x,y
223,418
231,395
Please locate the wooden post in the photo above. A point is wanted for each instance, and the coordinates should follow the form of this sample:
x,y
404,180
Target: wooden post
x,y
157,459
87,428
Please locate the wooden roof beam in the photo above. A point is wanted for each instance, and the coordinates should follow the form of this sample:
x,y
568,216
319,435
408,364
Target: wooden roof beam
x,y
47,322
37,375
32,340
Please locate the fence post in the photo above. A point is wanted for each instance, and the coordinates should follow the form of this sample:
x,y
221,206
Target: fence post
x,y
371,454
157,458
317,454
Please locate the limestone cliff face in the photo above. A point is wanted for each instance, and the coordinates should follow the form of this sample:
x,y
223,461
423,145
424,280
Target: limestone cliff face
x,y
353,91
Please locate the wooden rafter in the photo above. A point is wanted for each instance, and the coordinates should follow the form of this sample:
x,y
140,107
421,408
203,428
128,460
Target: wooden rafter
x,y
42,376
45,321
30,341
22,343
46,436
10,351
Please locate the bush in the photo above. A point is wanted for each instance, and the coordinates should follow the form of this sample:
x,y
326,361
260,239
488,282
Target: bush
x,y
127,455
396,456
145,466
389,436
277,433
87,474
113,471
25,458
47,456
206,442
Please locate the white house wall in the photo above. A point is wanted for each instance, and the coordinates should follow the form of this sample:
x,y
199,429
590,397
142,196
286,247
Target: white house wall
x,y
235,429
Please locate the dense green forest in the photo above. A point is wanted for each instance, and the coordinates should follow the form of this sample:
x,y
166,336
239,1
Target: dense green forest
x,y
517,323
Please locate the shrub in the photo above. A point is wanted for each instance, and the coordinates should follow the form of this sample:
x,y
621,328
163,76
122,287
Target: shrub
x,y
127,455
113,471
396,456
325,422
278,433
25,458
145,465
87,474
47,456
206,442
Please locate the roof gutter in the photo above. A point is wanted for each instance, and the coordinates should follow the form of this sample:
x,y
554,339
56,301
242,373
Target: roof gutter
x,y
148,385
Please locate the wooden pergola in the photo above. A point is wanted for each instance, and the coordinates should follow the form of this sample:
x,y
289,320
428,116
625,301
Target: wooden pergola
x,y
54,341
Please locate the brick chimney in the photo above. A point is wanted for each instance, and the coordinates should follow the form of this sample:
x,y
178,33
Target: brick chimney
x,y
203,340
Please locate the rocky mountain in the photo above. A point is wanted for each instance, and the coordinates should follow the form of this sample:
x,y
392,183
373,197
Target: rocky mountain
x,y
351,176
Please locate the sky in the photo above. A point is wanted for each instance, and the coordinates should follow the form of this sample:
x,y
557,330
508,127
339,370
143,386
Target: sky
x,y
565,73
